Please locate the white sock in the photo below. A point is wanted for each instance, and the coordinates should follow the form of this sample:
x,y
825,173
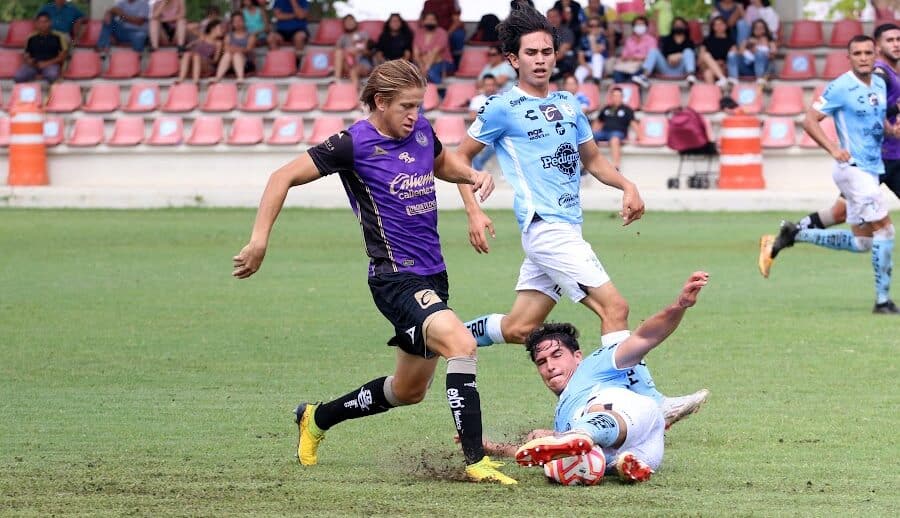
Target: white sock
x,y
493,328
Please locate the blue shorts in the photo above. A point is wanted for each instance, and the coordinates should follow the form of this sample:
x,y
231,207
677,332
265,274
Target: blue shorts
x,y
607,135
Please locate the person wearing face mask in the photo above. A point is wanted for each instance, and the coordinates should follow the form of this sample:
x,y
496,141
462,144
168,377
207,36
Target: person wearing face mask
x,y
674,57
431,50
635,50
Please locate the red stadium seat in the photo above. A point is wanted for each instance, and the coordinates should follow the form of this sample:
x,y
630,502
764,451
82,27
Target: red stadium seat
x,y
128,131
167,131
457,97
704,98
207,130
286,131
748,97
341,97
631,95
328,32
91,34
836,63
843,31
806,34
27,93
162,63
786,100
279,63
432,99
10,61
301,97
827,124
317,63
143,97
695,30
662,97
592,92
18,32
798,66
246,131
182,97
103,98
54,129
652,131
4,131
472,62
220,97
87,132
778,132
260,97
324,127
123,64
372,27
84,64
64,97
450,129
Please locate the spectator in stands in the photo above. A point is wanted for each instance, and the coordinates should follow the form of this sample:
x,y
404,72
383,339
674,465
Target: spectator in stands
x,y
65,18
352,54
662,13
752,56
127,23
733,13
395,42
570,84
518,4
486,31
762,10
171,17
488,87
634,51
431,50
45,52
714,52
290,24
572,15
202,55
566,61
593,51
613,123
674,57
237,53
501,72
256,20
448,18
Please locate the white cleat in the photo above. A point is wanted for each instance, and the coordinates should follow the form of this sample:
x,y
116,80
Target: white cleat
x,y
677,408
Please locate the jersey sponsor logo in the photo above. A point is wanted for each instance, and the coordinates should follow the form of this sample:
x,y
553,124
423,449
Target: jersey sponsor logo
x,y
378,151
421,208
568,200
406,185
560,129
409,263
873,99
456,401
566,107
565,159
421,139
516,102
551,112
536,134
406,158
427,298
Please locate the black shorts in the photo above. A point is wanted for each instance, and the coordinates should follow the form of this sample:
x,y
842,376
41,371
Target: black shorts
x,y
891,176
288,36
407,300
169,29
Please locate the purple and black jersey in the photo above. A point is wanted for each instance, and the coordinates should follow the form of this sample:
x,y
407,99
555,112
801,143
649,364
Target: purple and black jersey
x,y
390,185
890,148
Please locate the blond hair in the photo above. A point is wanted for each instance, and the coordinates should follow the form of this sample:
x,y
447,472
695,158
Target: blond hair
x,y
388,79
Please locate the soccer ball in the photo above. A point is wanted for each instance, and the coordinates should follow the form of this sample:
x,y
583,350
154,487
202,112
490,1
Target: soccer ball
x,y
578,470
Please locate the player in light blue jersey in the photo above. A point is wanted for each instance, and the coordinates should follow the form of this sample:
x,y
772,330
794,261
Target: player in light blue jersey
x,y
540,138
857,101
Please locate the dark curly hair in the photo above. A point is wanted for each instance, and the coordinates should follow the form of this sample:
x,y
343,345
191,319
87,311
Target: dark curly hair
x,y
564,333
520,22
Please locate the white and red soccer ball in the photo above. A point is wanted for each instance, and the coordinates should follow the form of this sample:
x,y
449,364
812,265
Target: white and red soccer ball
x,y
578,470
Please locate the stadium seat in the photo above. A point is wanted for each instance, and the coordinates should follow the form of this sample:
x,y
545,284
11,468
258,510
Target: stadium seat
x,y
86,132
279,63
778,132
704,98
26,93
286,131
17,33
4,131
472,62
220,97
329,32
798,66
748,97
592,92
301,97
167,131
662,97
432,99
652,131
341,97
182,97
806,34
372,27
324,127
83,64
317,63
695,30
10,61
207,130
91,34
450,129
843,31
786,100
631,95
260,97
246,131
103,98
123,64
836,63
457,97
143,97
54,129
162,63
128,131
65,97
828,125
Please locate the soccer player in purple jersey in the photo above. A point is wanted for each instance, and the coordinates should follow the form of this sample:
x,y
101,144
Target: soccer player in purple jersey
x,y
387,164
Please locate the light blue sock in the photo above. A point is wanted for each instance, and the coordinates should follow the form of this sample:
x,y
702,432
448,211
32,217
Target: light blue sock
x,y
486,329
833,239
883,264
601,426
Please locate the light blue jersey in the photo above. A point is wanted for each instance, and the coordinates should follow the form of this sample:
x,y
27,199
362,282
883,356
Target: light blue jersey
x,y
859,111
536,140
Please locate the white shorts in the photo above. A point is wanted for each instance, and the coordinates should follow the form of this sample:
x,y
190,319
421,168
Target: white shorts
x,y
645,437
865,201
558,260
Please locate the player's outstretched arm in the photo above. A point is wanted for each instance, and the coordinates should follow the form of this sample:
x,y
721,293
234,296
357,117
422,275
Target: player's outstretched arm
x,y
478,220
657,328
297,172
601,169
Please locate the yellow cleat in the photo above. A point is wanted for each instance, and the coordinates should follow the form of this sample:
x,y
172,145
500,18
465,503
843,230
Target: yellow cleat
x,y
765,254
486,470
308,442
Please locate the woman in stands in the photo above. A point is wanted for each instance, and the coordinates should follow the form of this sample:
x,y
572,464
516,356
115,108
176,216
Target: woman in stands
x,y
395,41
753,55
431,50
256,19
203,54
238,51
714,52
352,54
170,17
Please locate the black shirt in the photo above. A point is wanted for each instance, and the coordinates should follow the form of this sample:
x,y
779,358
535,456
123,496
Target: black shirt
x,y
718,47
668,46
44,47
616,119
394,45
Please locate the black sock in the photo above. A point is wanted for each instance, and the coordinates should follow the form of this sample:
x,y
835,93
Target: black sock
x,y
368,400
812,220
465,406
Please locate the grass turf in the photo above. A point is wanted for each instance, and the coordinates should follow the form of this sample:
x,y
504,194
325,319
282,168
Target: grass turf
x,y
137,377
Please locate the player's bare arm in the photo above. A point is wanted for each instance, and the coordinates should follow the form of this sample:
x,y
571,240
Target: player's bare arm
x,y
601,169
812,128
299,171
478,220
450,167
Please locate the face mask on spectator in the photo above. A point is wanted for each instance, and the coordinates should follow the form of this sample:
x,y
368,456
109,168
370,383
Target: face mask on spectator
x,y
430,26
679,30
640,29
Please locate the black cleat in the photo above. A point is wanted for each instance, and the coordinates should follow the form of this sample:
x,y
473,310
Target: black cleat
x,y
785,237
886,308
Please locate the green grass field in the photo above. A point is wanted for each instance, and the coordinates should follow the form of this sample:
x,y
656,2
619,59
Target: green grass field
x,y
138,377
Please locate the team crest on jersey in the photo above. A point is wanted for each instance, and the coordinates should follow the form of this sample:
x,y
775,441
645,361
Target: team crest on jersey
x,y
568,109
420,138
406,158
873,99
550,112
565,159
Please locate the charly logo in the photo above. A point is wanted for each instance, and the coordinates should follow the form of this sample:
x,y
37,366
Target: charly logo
x,y
550,112
567,200
565,159
536,134
427,298
421,139
406,158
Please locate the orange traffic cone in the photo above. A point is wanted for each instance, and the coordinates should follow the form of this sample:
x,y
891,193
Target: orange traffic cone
x,y
740,156
27,152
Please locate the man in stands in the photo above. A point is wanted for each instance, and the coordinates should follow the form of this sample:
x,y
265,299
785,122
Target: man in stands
x,y
45,52
498,68
290,24
614,121
126,22
65,18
